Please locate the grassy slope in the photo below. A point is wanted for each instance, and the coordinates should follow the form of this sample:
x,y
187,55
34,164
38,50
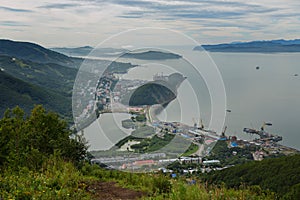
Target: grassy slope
x,y
60,180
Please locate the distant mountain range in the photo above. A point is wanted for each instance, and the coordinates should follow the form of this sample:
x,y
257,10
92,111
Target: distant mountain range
x,y
109,52
264,46
152,55
271,46
85,50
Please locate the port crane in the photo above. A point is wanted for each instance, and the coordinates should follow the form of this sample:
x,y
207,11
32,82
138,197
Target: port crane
x,y
264,136
201,124
223,132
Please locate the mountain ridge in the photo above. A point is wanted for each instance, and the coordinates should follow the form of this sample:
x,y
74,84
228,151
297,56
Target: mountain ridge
x,y
34,52
259,46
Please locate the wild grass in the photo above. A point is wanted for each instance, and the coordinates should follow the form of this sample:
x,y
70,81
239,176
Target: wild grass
x,y
160,186
56,180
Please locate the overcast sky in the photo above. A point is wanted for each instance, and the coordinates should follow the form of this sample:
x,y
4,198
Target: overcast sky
x,y
88,22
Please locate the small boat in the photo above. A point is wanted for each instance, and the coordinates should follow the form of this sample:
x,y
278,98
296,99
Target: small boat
x,y
257,67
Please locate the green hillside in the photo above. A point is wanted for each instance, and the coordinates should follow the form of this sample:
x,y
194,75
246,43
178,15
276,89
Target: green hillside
x,y
50,76
150,94
33,52
17,92
161,91
280,175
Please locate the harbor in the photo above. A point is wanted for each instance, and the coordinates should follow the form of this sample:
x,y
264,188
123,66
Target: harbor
x,y
264,146
109,98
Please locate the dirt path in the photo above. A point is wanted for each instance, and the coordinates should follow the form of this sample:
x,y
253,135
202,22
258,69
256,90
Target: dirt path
x,y
110,191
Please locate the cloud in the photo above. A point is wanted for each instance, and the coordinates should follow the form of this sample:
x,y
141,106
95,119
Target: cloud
x,y
14,9
94,20
191,9
59,6
12,23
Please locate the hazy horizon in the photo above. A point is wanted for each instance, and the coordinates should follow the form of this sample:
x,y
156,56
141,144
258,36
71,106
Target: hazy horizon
x,y
73,23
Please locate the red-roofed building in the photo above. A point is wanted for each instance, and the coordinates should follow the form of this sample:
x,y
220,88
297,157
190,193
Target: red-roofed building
x,y
144,162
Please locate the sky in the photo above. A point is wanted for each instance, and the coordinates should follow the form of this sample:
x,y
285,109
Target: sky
x,y
73,23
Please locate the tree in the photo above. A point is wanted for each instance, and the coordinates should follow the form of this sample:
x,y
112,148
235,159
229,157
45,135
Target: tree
x,y
11,134
29,141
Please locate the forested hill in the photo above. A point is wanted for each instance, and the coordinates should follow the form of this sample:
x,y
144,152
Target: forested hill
x,y
49,76
32,74
17,92
26,83
34,53
155,92
280,175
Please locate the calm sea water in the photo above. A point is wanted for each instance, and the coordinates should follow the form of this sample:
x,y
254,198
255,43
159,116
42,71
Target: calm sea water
x,y
268,94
